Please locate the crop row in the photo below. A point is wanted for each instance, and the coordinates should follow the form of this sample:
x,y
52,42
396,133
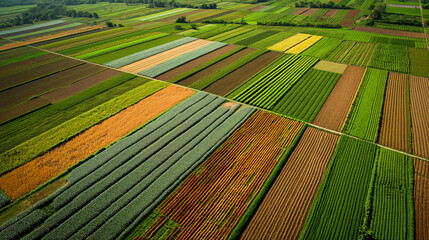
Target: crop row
x,y
356,53
302,46
216,195
391,57
164,14
419,62
230,34
109,193
270,88
308,95
364,117
322,48
258,37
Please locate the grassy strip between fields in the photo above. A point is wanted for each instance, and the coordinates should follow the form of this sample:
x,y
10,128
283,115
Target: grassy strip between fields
x,y
207,81
206,65
247,216
44,142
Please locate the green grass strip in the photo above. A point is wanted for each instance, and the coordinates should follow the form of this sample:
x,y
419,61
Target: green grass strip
x,y
121,46
247,216
207,81
206,65
39,145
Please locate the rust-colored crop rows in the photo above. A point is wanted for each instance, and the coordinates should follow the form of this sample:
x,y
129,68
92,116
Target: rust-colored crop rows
x,y
56,161
421,199
212,199
419,108
334,111
394,127
284,209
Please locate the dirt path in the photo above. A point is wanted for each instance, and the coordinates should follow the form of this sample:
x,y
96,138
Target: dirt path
x,y
419,108
334,112
284,209
421,199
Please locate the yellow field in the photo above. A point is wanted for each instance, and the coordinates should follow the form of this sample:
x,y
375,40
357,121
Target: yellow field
x,y
289,42
331,66
302,46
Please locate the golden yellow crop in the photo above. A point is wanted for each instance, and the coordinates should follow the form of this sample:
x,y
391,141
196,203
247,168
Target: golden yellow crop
x,y
289,42
304,45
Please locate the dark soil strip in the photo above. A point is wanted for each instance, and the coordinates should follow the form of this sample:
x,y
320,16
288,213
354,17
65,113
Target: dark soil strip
x,y
28,64
69,37
352,14
242,74
16,52
22,93
195,63
331,12
310,12
213,68
215,16
299,11
347,23
21,109
33,74
79,86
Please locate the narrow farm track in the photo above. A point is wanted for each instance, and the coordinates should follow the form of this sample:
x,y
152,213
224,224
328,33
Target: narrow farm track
x,y
419,108
284,209
334,112
421,199
394,125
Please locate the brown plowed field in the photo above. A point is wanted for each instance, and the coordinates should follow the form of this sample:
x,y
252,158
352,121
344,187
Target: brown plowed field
x,y
17,52
79,86
352,14
334,111
299,11
20,109
419,108
284,209
310,12
22,93
257,8
164,56
28,64
389,32
421,199
33,74
213,68
347,23
394,127
242,74
331,12
56,161
194,63
173,18
49,37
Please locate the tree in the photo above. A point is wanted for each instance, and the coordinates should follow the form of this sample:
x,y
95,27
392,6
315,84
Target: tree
x,y
194,26
181,19
109,24
178,27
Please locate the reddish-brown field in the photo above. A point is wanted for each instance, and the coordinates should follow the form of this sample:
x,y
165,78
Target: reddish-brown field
x,y
331,12
334,112
194,63
284,209
213,68
240,75
421,199
347,23
394,126
352,14
257,8
419,108
299,11
389,32
33,74
310,12
164,56
56,161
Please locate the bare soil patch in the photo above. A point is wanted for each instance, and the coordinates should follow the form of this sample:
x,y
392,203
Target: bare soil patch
x,y
419,108
299,11
331,12
242,74
347,23
352,14
394,126
389,32
310,12
421,199
28,64
334,112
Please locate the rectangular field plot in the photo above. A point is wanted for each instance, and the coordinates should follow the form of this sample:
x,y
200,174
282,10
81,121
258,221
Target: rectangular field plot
x,y
391,57
289,42
350,52
419,108
421,199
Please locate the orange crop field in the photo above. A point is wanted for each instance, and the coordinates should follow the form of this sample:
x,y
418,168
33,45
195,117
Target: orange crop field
x,y
56,161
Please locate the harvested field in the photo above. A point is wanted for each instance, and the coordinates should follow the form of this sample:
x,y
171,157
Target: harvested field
x,y
394,125
352,14
299,11
154,60
240,75
310,12
347,23
194,63
49,37
79,86
31,63
334,112
284,209
213,68
330,66
16,95
33,74
421,199
331,12
419,108
49,165
20,109
389,32
173,18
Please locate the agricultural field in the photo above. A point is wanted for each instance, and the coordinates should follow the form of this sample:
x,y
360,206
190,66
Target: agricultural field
x,y
214,120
